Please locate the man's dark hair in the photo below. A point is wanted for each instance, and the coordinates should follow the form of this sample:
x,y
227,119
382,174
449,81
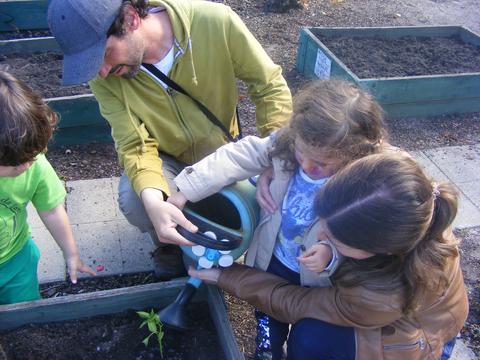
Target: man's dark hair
x,y
141,6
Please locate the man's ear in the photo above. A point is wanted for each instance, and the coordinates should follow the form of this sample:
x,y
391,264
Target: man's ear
x,y
131,20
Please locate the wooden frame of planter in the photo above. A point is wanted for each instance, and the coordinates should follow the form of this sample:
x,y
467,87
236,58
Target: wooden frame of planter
x,y
399,96
80,118
104,302
23,15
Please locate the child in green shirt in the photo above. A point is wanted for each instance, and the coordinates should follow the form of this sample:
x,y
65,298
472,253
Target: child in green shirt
x,y
26,126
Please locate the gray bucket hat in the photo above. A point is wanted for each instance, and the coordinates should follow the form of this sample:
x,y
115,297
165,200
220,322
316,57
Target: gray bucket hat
x,y
80,28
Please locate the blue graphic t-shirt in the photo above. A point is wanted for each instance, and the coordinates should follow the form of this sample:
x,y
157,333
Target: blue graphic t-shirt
x,y
297,216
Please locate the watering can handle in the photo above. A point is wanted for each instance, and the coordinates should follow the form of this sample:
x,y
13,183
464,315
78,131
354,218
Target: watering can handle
x,y
227,241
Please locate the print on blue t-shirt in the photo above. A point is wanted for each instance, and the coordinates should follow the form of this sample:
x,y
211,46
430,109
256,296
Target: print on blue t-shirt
x,y
297,216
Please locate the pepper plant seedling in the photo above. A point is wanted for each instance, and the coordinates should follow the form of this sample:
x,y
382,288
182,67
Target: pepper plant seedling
x,y
154,325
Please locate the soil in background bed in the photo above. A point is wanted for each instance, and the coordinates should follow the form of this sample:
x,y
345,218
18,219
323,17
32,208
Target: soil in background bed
x,y
42,72
114,337
406,56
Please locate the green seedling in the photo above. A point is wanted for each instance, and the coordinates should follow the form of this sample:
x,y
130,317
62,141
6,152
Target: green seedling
x,y
155,327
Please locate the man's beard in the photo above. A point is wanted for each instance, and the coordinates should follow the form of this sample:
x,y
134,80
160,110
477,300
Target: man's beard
x,y
134,69
131,73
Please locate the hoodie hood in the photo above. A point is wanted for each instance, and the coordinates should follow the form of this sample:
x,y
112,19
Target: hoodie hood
x,y
180,13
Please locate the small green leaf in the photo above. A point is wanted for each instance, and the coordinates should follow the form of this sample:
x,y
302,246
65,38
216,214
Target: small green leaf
x,y
143,314
145,341
143,324
152,327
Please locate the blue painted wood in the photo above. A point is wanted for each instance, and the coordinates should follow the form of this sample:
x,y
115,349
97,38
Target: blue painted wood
x,y
80,121
23,15
400,96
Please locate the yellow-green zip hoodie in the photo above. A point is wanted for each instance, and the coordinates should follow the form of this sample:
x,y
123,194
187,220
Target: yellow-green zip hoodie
x,y
213,47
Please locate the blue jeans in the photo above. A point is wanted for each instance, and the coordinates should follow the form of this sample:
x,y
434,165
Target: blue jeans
x,y
448,349
303,341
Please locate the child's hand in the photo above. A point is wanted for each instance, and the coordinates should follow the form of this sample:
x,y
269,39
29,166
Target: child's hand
x,y
177,199
209,276
263,195
74,265
316,258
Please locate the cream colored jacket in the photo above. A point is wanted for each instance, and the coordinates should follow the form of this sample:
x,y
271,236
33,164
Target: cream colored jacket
x,y
238,161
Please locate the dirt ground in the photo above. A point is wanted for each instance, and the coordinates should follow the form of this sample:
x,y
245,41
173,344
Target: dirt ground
x,y
278,33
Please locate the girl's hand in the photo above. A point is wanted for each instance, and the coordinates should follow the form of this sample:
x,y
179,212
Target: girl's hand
x,y
263,195
316,258
74,265
209,276
177,199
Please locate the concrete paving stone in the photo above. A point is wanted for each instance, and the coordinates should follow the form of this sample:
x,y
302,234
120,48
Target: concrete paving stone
x,y
429,166
471,189
115,182
51,266
99,244
459,163
462,352
32,217
468,212
91,200
136,248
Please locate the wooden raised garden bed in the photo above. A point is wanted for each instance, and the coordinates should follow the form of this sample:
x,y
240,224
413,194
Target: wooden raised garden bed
x,y
88,306
411,93
80,118
23,15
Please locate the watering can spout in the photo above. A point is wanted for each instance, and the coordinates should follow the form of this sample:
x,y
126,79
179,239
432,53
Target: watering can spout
x,y
175,314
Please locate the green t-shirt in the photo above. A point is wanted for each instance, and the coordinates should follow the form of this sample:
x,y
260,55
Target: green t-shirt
x,y
40,185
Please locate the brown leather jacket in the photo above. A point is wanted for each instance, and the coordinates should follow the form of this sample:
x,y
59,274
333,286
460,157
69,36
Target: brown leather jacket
x,y
382,331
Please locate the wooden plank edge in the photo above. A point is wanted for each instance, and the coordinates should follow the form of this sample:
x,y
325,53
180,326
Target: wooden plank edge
x,y
219,316
92,304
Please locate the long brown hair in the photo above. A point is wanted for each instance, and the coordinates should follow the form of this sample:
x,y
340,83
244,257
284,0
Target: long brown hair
x,y
26,122
338,117
386,205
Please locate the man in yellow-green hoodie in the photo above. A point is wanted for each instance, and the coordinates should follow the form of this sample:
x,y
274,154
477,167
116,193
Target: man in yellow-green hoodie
x,y
204,47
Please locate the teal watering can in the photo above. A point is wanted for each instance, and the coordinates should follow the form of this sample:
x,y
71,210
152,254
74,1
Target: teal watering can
x,y
226,222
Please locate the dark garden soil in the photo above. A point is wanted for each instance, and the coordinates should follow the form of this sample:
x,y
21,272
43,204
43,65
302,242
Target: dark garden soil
x,y
114,337
278,33
62,288
42,72
406,56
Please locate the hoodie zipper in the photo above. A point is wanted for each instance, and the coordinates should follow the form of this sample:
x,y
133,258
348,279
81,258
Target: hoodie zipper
x,y
172,94
420,343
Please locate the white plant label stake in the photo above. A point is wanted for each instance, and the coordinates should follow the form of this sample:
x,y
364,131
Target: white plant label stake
x,y
323,66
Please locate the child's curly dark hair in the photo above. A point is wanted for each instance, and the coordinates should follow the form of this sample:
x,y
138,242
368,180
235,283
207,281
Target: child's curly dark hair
x,y
26,122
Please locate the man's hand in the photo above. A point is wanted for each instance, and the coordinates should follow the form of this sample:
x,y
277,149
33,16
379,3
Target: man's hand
x,y
209,276
165,217
316,258
263,195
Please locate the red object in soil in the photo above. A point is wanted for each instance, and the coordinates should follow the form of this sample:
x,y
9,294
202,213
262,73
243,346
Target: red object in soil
x,y
100,268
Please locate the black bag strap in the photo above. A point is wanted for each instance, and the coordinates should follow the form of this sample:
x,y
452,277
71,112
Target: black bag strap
x,y
155,71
